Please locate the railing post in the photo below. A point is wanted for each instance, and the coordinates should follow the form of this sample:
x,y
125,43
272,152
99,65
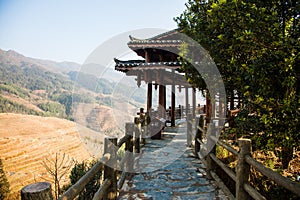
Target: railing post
x,y
198,135
189,119
210,144
137,135
143,131
129,146
243,169
37,191
110,146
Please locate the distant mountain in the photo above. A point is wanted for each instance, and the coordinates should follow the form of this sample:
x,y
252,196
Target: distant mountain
x,y
48,88
12,57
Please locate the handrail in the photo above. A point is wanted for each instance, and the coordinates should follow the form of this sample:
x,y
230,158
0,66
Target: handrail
x,y
243,188
123,140
101,191
110,165
110,174
226,169
253,193
226,146
75,189
274,176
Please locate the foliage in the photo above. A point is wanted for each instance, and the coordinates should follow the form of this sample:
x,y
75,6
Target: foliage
x,y
91,188
33,77
7,105
13,89
255,45
4,185
53,109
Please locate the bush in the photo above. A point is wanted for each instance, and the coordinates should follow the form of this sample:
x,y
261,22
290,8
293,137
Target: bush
x,y
91,188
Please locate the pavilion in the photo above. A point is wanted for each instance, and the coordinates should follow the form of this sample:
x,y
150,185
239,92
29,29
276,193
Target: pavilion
x,y
160,68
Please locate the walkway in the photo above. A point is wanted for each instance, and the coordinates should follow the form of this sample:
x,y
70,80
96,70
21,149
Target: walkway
x,y
167,169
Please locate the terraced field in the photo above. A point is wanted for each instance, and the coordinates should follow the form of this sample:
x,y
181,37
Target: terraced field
x,y
26,141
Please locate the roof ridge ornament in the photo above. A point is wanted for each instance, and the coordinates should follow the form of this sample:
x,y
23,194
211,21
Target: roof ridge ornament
x,y
133,38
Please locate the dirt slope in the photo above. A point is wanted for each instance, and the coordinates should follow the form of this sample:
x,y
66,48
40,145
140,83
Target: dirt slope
x,y
26,141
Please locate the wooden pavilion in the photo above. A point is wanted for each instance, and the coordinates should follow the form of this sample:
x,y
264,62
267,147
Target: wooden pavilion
x,y
160,68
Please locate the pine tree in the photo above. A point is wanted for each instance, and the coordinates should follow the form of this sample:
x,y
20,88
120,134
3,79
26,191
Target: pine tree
x,y
4,185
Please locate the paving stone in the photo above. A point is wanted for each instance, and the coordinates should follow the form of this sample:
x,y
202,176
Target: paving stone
x,y
179,184
169,170
206,196
162,195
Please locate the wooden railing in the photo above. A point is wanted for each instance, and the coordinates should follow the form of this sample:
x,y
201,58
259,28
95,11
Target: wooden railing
x,y
241,176
112,180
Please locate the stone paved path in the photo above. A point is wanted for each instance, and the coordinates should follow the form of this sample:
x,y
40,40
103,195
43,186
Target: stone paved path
x,y
167,169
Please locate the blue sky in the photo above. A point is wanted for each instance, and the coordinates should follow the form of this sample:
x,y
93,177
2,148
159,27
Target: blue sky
x,y
69,30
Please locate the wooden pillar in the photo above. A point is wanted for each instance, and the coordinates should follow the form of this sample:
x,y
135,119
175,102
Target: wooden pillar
x,y
231,100
137,136
165,99
149,97
147,56
173,106
213,106
162,101
129,127
186,101
194,102
211,145
199,135
208,108
243,169
189,125
110,146
139,79
37,191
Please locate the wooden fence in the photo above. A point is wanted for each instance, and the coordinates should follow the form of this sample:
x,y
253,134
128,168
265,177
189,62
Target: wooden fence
x,y
112,180
241,176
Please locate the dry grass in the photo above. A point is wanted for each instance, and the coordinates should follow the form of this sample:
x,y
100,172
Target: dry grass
x,y
25,141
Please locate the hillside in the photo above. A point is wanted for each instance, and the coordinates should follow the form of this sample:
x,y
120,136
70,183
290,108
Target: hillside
x,y
11,57
48,109
48,88
26,141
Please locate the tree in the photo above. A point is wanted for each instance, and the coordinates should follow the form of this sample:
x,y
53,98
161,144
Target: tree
x,y
4,185
255,45
91,188
57,167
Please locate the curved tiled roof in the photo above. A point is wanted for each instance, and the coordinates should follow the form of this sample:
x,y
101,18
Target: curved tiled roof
x,y
166,38
125,66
